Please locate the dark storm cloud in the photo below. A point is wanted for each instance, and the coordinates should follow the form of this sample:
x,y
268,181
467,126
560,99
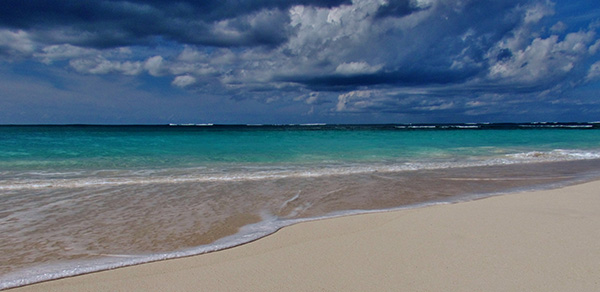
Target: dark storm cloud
x,y
398,78
398,8
111,23
212,10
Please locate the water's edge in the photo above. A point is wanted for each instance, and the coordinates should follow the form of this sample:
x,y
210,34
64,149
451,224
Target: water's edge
x,y
249,233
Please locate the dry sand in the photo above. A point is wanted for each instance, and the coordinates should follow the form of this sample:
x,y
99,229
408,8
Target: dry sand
x,y
531,241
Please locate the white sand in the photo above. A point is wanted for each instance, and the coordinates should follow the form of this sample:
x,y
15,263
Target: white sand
x,y
532,241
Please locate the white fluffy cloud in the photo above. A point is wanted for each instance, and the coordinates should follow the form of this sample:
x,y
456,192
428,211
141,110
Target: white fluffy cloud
x,y
184,81
542,59
356,68
356,100
103,66
15,43
594,71
154,66
595,47
53,53
538,11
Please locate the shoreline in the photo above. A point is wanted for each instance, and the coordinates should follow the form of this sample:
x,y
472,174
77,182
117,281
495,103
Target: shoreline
x,y
533,240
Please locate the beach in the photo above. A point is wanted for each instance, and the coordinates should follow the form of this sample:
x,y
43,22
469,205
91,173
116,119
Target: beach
x,y
530,241
339,145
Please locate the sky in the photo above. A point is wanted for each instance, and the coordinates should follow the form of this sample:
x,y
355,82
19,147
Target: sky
x,y
298,61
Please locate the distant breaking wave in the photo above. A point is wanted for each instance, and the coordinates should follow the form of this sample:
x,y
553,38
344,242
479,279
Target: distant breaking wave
x,y
194,175
578,125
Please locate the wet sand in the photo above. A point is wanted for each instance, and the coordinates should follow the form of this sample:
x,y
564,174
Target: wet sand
x,y
530,241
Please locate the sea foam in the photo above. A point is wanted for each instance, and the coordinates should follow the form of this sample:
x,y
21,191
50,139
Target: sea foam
x,y
43,180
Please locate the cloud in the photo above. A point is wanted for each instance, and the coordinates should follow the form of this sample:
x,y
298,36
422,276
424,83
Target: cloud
x,y
105,24
50,54
313,98
356,100
537,11
407,101
594,48
356,68
15,43
394,56
400,8
184,81
559,27
542,60
435,44
594,71
103,66
333,45
154,66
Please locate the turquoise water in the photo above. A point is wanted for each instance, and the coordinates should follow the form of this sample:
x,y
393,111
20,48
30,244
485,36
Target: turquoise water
x,y
77,199
106,147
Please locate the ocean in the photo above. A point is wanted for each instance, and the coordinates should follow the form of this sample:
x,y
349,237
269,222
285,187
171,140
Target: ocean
x,y
77,198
